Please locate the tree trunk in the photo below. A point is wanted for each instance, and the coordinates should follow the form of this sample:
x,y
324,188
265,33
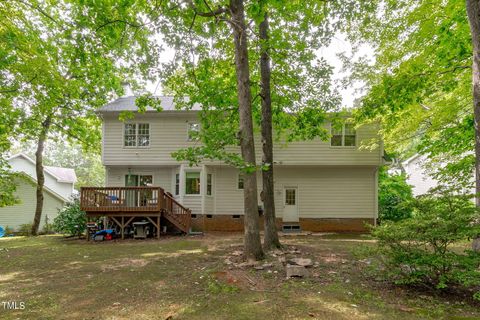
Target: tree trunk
x,y
270,239
252,243
40,175
473,12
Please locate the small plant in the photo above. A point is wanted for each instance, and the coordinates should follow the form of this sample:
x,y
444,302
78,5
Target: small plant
x,y
25,229
217,287
47,226
71,220
426,248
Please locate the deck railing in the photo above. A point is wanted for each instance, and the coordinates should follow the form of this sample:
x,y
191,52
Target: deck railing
x,y
181,214
122,199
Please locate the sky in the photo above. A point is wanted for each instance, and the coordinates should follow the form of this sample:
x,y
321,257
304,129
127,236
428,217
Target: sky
x,y
338,45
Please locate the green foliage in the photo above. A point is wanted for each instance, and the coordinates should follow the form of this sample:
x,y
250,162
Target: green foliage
x,y
217,287
25,229
71,220
427,248
87,164
7,185
203,70
394,196
419,84
62,60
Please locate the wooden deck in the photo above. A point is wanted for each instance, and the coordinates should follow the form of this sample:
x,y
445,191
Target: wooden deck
x,y
123,204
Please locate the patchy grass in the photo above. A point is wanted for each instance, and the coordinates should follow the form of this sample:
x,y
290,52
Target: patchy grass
x,y
186,278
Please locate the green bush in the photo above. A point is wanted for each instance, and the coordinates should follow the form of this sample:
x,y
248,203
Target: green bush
x,y
394,196
429,248
25,229
71,220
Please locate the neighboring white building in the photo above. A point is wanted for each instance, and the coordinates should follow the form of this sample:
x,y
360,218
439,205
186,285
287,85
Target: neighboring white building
x,y
319,185
58,189
418,175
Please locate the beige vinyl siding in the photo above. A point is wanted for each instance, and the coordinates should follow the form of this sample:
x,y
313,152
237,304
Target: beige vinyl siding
x,y
228,198
162,176
168,133
329,192
323,192
23,213
194,203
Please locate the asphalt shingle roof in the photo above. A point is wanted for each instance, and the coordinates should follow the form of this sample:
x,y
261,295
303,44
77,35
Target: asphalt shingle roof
x,y
128,104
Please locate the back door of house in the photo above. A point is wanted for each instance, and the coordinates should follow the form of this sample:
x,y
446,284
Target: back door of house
x,y
290,204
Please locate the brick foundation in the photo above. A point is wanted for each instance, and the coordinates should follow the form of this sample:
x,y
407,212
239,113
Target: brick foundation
x,y
228,223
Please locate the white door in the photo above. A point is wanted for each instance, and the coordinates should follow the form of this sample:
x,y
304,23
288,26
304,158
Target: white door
x,y
290,204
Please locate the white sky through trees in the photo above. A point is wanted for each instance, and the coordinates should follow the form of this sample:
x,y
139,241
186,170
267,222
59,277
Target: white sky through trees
x,y
339,44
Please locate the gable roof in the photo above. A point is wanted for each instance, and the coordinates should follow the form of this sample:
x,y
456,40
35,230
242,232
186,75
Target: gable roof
x,y
31,179
128,104
66,175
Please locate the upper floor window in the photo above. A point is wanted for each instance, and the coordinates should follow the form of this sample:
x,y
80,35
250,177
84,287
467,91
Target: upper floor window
x,y
240,181
136,135
192,182
344,136
193,130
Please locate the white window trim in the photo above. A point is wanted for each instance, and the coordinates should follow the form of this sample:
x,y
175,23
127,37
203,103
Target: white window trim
x,y
206,185
188,131
238,180
136,146
139,174
175,184
185,183
343,139
285,187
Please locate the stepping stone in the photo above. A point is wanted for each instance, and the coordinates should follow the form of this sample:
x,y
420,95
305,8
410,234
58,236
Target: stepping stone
x,y
296,271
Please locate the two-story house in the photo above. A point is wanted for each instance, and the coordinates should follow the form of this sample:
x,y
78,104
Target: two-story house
x,y
319,185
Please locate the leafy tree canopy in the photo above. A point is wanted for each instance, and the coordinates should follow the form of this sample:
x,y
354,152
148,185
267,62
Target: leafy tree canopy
x,y
419,86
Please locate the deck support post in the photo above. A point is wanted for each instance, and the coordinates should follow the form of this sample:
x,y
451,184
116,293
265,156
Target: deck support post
x,y
123,227
158,227
87,232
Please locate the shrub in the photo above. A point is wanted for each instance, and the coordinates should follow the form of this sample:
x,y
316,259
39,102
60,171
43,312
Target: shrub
x,y
71,220
424,249
394,196
25,229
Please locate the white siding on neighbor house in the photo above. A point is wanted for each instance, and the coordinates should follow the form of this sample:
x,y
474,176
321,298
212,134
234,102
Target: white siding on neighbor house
x,y
323,192
21,164
24,212
168,133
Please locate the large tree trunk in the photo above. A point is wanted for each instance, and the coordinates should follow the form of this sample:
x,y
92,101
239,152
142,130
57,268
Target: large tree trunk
x,y
40,175
253,246
473,12
270,239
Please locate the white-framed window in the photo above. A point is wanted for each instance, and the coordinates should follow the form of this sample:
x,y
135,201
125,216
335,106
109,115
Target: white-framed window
x,y
193,130
177,184
192,182
136,135
209,184
240,181
343,136
135,180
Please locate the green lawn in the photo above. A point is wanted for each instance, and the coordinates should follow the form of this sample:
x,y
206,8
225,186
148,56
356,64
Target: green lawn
x,y
187,278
